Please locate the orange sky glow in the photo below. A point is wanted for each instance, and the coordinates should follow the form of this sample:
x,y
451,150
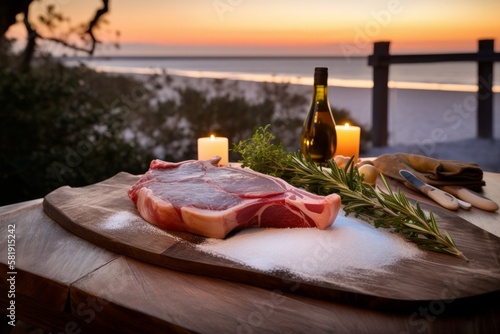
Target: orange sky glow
x,y
293,27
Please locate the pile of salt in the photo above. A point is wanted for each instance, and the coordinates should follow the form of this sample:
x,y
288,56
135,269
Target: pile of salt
x,y
349,244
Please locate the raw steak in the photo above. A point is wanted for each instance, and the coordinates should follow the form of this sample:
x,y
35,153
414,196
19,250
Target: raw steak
x,y
201,198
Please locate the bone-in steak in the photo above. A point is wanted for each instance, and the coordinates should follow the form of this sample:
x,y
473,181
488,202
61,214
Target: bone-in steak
x,y
201,198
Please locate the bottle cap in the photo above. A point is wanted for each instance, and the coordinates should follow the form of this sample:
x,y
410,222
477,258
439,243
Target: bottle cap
x,y
321,76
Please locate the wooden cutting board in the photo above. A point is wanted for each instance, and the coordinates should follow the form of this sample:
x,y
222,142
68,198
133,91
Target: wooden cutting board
x,y
434,277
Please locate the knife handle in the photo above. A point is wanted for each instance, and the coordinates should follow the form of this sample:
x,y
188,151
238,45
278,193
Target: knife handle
x,y
442,198
473,198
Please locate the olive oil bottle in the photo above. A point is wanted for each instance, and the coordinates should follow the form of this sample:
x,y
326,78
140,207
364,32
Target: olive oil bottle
x,y
319,138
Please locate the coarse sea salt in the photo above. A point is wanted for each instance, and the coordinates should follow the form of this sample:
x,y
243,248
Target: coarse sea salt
x,y
348,245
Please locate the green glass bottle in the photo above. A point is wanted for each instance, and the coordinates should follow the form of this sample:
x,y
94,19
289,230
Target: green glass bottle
x,y
319,138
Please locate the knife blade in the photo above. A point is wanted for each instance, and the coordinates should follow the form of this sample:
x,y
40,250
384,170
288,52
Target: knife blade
x,y
463,204
441,197
472,197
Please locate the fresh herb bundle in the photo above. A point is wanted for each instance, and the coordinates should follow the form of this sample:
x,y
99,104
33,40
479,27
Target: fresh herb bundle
x,y
387,209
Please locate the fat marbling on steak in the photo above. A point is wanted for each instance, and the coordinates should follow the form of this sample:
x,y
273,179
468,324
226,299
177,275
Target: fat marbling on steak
x,y
201,198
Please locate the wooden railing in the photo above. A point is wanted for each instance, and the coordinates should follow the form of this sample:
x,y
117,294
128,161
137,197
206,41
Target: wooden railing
x,y
381,59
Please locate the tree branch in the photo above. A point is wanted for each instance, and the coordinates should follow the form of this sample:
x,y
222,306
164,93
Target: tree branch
x,y
29,50
69,45
100,12
32,34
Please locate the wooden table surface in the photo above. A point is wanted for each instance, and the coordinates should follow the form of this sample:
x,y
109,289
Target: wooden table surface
x,y
65,284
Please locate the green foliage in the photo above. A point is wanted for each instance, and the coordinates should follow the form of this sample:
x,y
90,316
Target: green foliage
x,y
63,126
262,153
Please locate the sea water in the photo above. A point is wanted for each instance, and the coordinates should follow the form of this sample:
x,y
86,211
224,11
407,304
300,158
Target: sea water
x,y
343,72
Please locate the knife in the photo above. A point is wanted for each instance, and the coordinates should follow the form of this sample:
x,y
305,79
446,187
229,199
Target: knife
x,y
472,197
441,197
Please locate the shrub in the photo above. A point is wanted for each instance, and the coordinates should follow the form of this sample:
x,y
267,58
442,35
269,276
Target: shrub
x,y
62,126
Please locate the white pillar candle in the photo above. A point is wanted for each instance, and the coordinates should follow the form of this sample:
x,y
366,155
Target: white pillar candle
x,y
208,147
348,141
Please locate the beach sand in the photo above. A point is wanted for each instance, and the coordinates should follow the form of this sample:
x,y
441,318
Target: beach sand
x,y
438,124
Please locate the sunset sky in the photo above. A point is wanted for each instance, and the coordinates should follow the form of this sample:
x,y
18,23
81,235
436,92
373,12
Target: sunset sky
x,y
287,27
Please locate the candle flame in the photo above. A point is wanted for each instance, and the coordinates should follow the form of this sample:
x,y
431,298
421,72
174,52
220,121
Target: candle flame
x,y
346,125
212,137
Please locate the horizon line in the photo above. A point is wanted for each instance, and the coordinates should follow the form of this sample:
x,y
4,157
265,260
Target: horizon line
x,y
131,57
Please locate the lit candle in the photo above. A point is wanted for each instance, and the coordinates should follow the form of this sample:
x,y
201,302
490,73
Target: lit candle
x,y
208,147
348,141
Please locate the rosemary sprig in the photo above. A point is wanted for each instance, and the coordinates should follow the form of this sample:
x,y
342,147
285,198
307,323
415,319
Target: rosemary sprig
x,y
262,154
386,209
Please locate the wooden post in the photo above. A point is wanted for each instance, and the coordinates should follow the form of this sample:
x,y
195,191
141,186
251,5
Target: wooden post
x,y
380,93
485,91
